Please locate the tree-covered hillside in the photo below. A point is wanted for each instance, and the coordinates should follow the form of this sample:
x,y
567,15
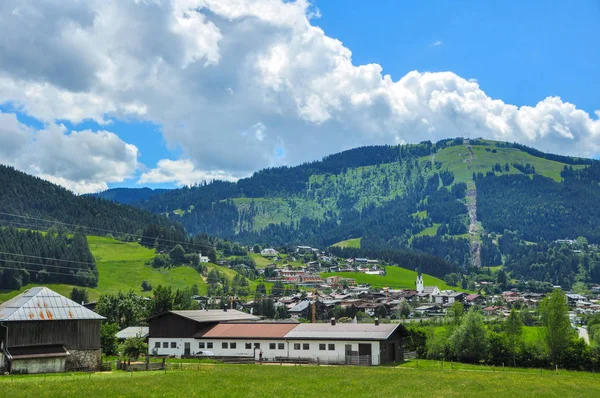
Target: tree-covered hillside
x,y
128,195
451,199
25,199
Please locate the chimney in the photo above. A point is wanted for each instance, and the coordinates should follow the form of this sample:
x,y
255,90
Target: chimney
x,y
332,321
376,321
225,308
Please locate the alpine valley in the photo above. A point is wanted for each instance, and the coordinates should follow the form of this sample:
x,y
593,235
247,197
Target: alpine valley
x,y
469,203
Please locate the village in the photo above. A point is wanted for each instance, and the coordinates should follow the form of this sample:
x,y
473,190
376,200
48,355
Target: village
x,y
326,320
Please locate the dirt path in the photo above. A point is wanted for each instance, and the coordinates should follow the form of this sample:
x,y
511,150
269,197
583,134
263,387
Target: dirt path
x,y
474,226
474,229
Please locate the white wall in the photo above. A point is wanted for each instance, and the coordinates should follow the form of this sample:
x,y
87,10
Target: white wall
x,y
288,351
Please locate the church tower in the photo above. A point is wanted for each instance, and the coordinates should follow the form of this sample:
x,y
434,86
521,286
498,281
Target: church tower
x,y
419,283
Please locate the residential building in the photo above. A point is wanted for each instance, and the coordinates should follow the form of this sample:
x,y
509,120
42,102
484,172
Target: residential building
x,y
270,252
133,331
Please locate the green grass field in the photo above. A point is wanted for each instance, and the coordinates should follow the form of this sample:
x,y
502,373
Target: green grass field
x,y
352,243
454,158
395,277
428,380
121,267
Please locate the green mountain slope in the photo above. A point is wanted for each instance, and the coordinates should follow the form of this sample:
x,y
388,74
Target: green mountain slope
x,y
25,201
121,267
454,199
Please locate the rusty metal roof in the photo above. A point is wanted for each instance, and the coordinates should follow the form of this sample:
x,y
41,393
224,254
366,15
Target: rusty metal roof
x,y
342,331
216,315
249,330
43,304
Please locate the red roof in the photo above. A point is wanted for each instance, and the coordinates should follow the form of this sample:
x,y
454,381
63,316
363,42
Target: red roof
x,y
248,330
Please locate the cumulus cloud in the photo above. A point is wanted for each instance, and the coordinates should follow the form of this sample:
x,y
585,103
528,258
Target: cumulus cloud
x,y
181,172
437,43
239,85
82,161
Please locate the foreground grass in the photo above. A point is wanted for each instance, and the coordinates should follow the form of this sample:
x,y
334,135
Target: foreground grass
x,y
291,381
395,277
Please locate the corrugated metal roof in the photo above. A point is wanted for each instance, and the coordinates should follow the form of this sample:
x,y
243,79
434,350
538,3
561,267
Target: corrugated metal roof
x,y
249,330
342,331
216,315
43,304
133,331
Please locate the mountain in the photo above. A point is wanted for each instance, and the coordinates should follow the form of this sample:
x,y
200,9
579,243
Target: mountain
x,y
26,201
456,199
128,195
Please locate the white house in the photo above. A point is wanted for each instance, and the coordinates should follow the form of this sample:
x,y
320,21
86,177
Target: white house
x,y
203,259
373,344
269,252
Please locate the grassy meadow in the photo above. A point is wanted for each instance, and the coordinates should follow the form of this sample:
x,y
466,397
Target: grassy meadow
x,y
121,267
395,277
426,380
351,243
455,159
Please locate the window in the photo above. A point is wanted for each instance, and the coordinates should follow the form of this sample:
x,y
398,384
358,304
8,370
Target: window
x,y
232,345
331,347
271,346
296,346
201,345
280,346
321,347
209,345
248,346
256,345
224,345
306,346
173,344
165,344
157,344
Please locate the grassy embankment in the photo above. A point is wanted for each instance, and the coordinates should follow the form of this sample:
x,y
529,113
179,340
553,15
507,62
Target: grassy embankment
x,y
395,277
429,379
350,243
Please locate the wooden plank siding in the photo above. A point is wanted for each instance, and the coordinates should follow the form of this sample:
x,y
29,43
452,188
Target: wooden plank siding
x,y
74,335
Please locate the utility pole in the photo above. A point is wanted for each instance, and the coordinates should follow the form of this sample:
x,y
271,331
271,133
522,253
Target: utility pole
x,y
314,310
386,289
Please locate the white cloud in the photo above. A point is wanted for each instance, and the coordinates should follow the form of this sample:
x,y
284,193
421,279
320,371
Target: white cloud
x,y
181,172
437,43
207,71
82,161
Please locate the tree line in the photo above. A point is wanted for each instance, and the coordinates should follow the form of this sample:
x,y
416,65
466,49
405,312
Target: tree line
x,y
53,257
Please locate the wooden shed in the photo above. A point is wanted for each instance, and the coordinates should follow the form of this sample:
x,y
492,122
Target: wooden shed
x,y
42,331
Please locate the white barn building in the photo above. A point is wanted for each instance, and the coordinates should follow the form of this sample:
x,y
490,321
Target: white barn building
x,y
188,334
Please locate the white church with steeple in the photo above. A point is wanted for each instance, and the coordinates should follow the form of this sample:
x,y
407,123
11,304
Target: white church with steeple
x,y
420,285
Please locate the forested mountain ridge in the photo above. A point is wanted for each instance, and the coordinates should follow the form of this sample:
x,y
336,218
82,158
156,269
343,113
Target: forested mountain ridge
x,y
407,197
128,195
25,201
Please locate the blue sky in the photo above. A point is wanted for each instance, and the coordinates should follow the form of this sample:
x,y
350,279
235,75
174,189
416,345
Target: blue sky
x,y
519,51
218,91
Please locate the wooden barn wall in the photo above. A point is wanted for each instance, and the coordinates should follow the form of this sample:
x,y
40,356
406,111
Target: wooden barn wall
x,y
74,335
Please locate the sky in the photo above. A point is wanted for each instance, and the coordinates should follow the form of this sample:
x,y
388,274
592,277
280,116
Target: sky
x,y
101,94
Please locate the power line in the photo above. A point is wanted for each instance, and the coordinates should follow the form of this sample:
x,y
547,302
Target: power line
x,y
47,258
97,229
41,265
37,271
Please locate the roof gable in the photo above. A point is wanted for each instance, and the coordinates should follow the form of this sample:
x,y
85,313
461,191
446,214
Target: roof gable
x,y
43,304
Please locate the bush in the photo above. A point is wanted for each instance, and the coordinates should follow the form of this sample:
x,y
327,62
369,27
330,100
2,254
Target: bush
x,y
134,347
